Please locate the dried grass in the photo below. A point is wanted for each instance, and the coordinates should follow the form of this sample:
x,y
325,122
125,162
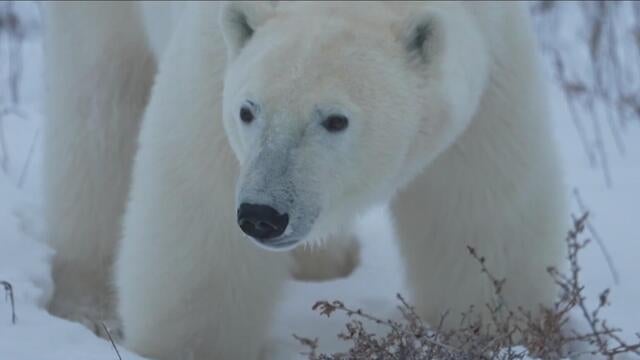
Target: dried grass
x,y
508,334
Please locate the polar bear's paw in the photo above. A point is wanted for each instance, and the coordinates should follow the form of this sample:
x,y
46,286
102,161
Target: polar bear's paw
x,y
109,329
97,319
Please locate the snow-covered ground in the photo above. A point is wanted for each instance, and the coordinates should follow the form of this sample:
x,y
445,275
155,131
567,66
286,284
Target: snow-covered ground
x,y
25,261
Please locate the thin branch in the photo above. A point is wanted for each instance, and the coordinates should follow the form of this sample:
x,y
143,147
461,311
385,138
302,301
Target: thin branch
x,y
8,290
596,236
4,160
115,348
25,168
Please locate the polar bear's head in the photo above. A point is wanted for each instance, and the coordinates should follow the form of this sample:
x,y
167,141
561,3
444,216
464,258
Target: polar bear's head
x,y
331,107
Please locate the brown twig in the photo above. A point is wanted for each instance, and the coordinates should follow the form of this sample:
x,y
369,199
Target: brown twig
x,y
501,336
8,290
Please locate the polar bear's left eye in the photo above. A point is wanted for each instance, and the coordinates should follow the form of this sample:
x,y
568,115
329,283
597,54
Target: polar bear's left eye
x,y
335,123
246,115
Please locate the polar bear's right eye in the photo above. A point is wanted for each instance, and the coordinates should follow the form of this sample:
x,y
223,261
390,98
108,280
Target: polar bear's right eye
x,y
335,123
246,115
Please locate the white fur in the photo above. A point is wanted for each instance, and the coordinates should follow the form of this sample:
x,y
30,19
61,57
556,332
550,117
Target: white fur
x,y
447,119
497,188
89,144
337,258
190,284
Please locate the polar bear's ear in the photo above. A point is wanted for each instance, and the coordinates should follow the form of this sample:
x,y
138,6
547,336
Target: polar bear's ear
x,y
422,35
240,19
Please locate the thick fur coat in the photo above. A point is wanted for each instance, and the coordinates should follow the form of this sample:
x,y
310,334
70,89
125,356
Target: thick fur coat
x,y
165,118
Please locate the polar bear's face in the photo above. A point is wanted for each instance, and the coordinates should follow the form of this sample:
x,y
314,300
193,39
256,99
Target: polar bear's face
x,y
321,114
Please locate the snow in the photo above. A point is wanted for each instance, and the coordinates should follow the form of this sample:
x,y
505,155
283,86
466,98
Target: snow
x,y
25,261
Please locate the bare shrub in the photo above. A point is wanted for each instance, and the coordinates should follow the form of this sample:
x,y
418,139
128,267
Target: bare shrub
x,y
15,29
507,334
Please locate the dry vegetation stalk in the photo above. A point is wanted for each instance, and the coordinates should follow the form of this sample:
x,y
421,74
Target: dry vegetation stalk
x,y
507,334
8,291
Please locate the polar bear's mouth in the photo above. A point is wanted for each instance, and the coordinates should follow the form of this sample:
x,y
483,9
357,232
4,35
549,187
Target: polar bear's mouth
x,y
277,246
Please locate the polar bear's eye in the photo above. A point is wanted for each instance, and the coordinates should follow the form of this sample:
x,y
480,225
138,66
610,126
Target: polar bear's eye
x,y
246,115
335,123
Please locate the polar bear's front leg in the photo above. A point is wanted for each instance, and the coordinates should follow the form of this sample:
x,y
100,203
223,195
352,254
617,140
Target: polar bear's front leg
x,y
195,307
454,205
190,286
98,73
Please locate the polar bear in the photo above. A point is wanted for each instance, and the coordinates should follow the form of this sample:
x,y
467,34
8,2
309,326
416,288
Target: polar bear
x,y
260,126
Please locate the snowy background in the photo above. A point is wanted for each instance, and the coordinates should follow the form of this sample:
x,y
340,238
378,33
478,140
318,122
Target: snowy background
x,y
601,157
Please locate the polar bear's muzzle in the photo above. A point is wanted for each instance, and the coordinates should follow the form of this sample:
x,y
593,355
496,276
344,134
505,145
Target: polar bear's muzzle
x,y
275,206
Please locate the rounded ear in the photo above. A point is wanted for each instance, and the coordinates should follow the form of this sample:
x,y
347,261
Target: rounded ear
x,y
240,19
422,35
446,48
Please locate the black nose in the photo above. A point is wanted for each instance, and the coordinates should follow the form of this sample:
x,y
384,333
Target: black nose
x,y
261,222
